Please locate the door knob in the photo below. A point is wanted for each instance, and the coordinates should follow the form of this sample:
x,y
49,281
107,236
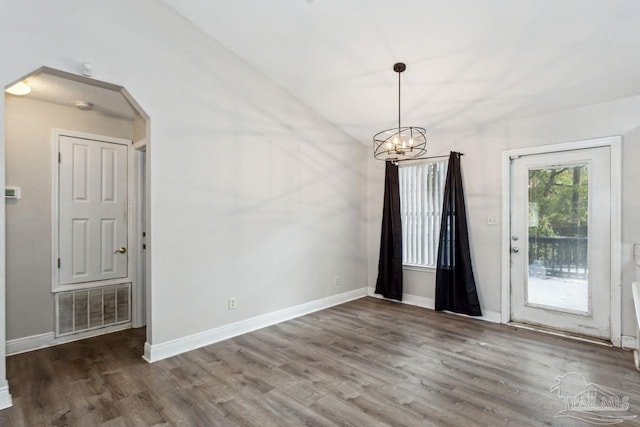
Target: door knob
x,y
122,250
515,249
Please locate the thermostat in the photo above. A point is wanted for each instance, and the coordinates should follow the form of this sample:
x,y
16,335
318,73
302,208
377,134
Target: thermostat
x,y
11,192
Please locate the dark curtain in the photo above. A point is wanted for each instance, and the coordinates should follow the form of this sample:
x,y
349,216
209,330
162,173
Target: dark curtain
x,y
455,285
389,283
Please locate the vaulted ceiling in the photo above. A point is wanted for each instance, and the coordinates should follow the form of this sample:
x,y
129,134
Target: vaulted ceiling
x,y
469,63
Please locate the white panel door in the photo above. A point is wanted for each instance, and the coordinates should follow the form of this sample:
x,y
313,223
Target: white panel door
x,y
560,241
92,200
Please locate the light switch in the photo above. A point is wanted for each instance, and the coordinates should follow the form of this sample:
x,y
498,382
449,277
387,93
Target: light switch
x,y
492,220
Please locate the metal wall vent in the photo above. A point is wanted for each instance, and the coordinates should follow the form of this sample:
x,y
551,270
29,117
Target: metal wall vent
x,y
88,309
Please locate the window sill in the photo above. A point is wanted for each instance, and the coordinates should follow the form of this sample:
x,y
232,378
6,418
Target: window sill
x,y
418,268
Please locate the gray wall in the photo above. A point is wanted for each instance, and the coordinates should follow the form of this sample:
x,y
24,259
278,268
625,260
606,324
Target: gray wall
x,y
253,194
139,128
30,305
481,167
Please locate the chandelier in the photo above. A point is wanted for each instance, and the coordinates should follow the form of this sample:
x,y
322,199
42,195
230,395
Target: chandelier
x,y
401,143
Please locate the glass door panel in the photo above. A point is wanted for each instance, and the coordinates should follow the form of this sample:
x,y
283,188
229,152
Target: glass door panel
x,y
558,238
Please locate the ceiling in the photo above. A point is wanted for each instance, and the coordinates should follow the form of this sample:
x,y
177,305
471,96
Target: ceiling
x,y
470,64
54,89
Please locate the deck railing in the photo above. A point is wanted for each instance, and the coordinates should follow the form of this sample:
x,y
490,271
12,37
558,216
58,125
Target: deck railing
x,y
561,256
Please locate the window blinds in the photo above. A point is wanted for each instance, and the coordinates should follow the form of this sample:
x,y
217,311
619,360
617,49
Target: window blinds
x,y
421,192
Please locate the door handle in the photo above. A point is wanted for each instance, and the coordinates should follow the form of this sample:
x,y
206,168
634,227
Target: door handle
x,y
122,250
515,249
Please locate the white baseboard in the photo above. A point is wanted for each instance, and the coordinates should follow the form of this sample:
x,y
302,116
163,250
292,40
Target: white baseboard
x,y
36,342
430,303
629,342
5,398
156,352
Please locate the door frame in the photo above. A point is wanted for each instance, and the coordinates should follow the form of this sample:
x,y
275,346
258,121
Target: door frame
x,y
55,214
614,143
137,217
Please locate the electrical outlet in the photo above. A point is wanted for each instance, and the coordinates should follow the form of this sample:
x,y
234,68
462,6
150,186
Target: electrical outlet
x,y
336,280
492,220
233,303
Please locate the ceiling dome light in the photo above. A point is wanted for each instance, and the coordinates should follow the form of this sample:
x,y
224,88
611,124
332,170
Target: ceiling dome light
x,y
84,106
19,89
401,143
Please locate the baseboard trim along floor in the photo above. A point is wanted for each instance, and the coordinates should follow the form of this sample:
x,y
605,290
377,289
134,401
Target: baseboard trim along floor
x,y
156,352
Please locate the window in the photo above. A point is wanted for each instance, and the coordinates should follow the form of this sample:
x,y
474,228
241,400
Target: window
x,y
421,192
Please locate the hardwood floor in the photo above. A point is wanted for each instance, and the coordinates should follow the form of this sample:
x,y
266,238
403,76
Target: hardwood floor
x,y
366,363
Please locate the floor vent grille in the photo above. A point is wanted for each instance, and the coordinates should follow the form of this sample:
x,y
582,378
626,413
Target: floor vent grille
x,y
88,309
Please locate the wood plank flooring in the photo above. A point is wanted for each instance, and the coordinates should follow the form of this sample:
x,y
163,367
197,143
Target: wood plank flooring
x,y
365,363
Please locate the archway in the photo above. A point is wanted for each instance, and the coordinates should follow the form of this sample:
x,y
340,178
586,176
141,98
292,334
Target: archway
x,y
61,100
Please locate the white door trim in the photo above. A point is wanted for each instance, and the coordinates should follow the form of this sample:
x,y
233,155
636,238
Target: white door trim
x,y
615,143
55,147
138,289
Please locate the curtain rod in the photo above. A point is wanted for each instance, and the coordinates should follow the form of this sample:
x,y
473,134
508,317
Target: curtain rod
x,y
424,158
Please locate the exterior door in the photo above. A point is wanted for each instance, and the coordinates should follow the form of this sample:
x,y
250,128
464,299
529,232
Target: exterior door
x,y
561,241
92,200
